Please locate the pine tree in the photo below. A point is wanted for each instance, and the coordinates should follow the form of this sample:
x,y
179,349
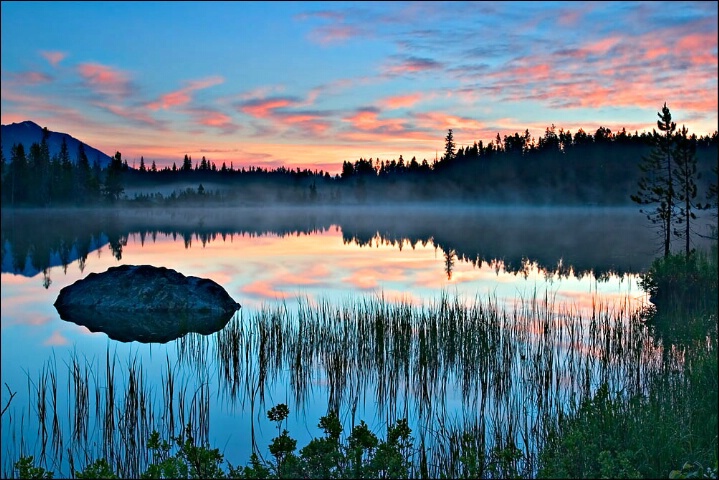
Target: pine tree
x,y
16,180
83,173
113,183
42,169
449,146
656,186
685,172
66,172
187,163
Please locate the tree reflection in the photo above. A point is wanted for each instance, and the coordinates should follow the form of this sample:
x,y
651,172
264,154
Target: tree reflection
x,y
449,256
558,242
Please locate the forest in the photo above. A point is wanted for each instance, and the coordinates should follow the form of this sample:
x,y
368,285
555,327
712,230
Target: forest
x,y
559,168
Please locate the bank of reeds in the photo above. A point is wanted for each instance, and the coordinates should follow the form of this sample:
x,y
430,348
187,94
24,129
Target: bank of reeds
x,y
486,389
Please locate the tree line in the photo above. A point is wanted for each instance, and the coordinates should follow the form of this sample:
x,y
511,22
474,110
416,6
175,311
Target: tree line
x,y
560,167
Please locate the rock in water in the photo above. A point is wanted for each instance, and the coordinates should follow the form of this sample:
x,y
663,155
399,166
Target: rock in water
x,y
144,288
146,303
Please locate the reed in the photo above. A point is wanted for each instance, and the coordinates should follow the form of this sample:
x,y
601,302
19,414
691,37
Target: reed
x,y
486,388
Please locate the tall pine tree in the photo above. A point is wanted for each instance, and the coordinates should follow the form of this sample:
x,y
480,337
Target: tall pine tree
x,y
656,186
685,173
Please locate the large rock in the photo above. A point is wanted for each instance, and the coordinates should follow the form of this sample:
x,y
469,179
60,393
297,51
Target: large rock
x,y
146,303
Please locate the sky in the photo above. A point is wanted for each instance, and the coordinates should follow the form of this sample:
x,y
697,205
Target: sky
x,y
312,84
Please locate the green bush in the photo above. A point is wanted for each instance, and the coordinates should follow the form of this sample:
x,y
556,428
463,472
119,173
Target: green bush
x,y
680,282
361,455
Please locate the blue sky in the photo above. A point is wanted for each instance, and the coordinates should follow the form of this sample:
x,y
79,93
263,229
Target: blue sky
x,y
312,84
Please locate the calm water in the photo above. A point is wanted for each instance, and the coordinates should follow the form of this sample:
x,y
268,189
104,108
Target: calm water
x,y
288,259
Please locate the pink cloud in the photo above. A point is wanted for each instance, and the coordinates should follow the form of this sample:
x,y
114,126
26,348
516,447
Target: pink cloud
x,y
439,121
183,95
31,78
365,126
313,124
105,80
334,34
213,118
655,51
172,99
401,101
277,110
614,71
36,106
412,65
53,57
569,18
129,113
264,108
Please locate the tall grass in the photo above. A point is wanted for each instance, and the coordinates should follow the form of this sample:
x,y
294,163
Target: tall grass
x,y
450,366
115,426
486,388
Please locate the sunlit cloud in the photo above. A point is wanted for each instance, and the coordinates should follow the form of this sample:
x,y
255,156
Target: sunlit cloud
x,y
105,80
265,107
337,29
53,57
368,120
569,18
411,65
334,34
37,107
133,114
183,96
209,117
401,101
29,78
282,114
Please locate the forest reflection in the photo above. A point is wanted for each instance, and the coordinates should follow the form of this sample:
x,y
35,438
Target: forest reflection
x,y
599,242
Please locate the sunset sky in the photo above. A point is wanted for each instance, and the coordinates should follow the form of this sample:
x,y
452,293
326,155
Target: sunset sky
x,y
312,84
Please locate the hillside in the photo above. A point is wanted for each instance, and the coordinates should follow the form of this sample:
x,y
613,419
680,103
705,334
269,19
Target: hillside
x,y
29,132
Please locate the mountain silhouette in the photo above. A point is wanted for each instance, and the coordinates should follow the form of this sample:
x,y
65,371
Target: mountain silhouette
x,y
29,132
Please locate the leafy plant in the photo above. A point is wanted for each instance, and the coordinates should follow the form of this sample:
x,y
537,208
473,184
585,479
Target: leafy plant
x,y
26,469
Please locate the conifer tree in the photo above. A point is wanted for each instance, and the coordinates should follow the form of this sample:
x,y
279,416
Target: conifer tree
x,y
113,182
66,172
656,186
82,173
16,180
685,173
449,146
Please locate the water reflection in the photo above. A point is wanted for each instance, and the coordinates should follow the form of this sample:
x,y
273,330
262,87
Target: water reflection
x,y
149,327
596,241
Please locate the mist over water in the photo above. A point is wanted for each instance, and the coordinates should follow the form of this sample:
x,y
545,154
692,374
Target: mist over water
x,y
589,240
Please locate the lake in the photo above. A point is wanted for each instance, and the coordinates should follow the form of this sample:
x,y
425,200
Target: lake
x,y
380,313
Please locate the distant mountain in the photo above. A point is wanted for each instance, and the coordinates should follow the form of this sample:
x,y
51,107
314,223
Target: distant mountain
x,y
28,132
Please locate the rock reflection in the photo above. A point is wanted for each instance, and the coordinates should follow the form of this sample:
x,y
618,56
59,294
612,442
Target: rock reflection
x,y
150,327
